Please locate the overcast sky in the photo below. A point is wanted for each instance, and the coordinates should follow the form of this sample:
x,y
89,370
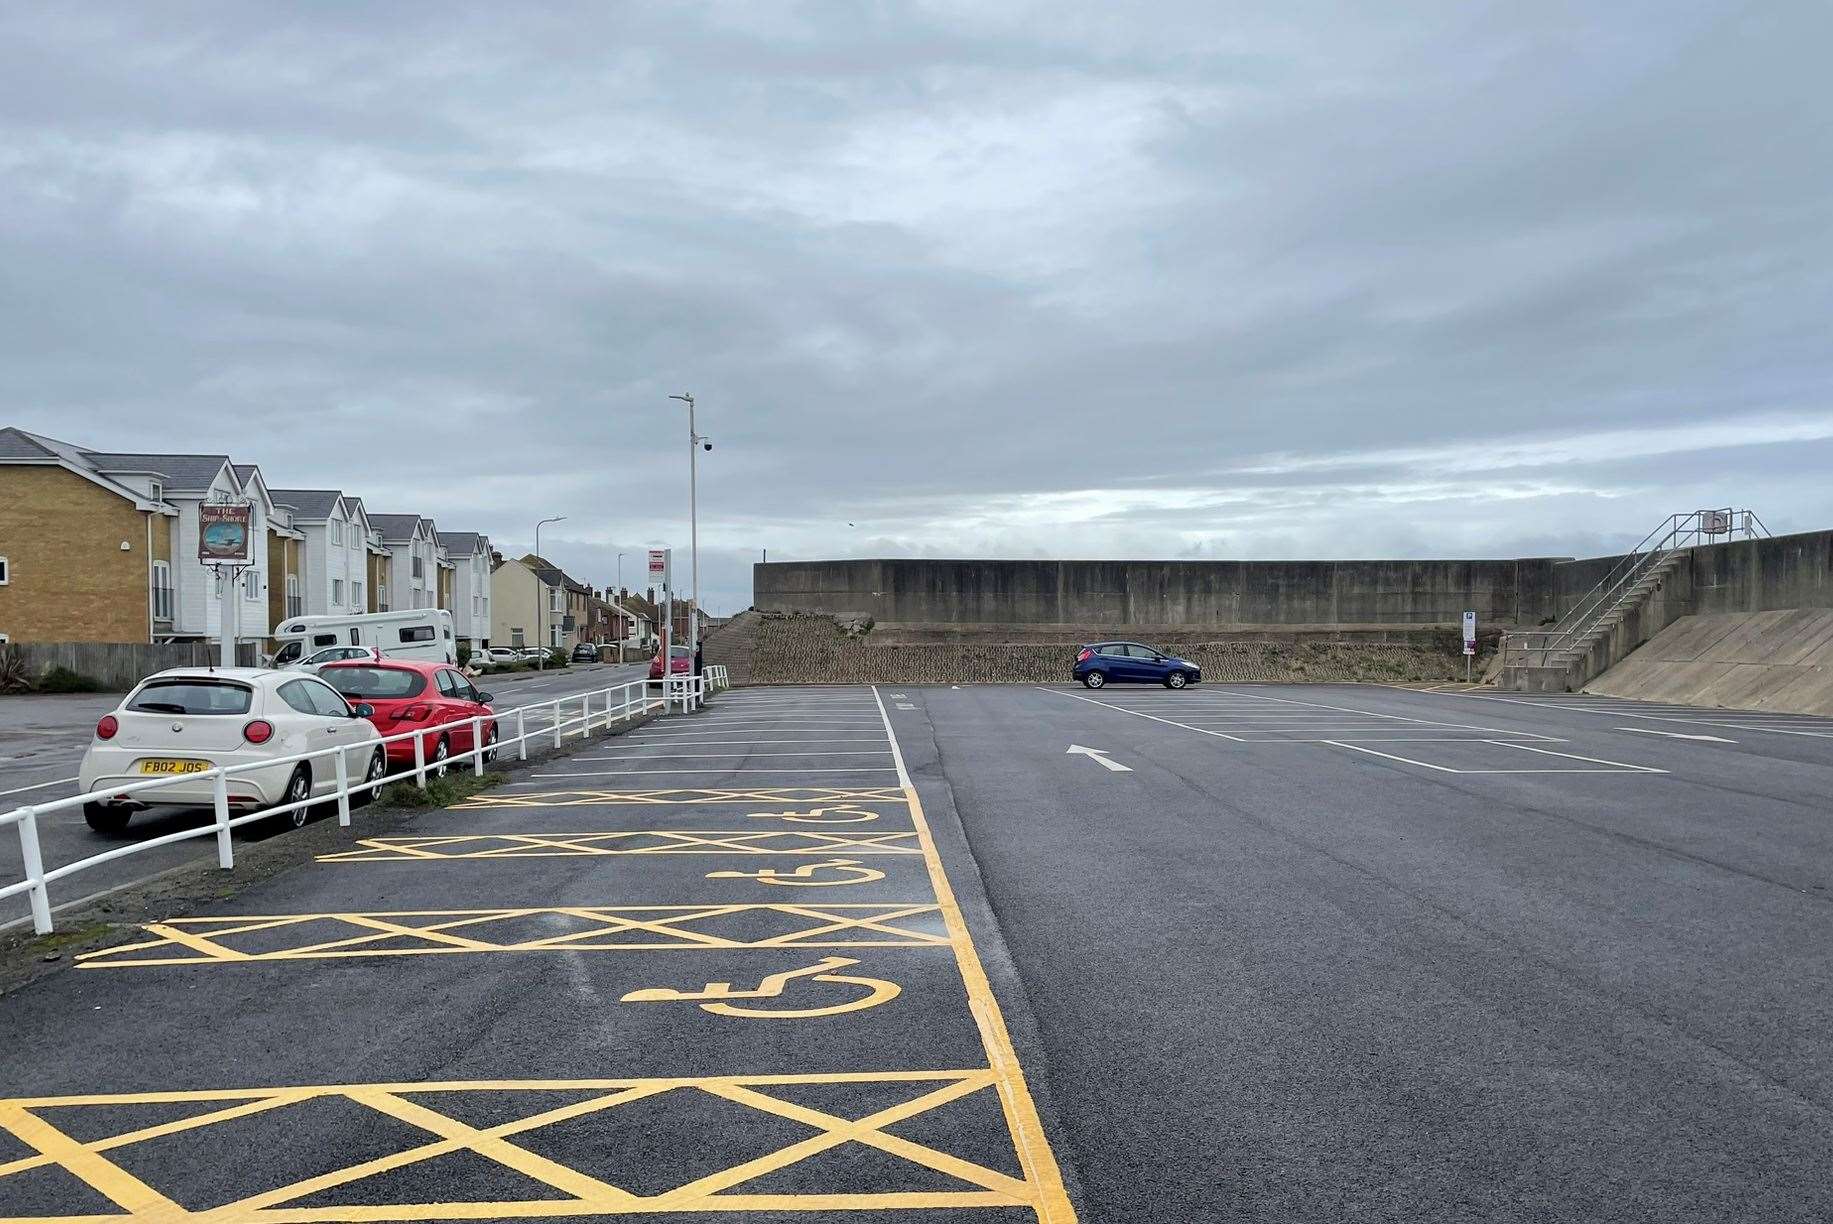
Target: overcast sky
x,y
980,279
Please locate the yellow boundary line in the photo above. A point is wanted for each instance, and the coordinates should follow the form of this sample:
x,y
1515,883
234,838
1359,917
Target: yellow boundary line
x,y
1040,1165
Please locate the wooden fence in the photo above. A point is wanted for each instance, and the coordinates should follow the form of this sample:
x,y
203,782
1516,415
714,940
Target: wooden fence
x,y
118,666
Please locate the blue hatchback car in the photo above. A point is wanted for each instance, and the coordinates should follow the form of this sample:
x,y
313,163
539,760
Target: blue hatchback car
x,y
1101,663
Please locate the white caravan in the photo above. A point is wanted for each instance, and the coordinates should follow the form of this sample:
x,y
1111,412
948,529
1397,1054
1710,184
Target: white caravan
x,y
412,633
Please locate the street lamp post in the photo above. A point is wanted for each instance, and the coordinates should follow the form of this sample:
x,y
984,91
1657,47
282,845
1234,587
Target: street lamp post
x,y
540,601
694,442
623,627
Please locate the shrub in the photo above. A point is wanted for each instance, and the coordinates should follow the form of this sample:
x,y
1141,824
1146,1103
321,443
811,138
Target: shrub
x,y
440,792
15,676
557,657
63,680
464,654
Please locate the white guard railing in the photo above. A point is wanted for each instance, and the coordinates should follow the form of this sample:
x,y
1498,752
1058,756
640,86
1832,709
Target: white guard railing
x,y
599,707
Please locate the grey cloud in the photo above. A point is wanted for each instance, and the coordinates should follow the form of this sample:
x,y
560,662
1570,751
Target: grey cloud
x,y
930,266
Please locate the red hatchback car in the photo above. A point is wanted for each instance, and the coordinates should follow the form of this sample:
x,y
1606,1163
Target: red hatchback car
x,y
407,693
681,662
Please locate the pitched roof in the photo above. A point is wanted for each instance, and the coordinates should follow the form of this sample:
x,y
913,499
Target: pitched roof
x,y
244,470
187,473
307,503
558,577
461,541
395,526
16,443
19,444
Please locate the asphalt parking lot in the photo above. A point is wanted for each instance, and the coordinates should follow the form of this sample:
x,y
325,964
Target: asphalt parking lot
x,y
1233,953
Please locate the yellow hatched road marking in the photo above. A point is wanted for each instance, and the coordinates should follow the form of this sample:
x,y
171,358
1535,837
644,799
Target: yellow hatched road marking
x,y
656,841
417,1105
850,925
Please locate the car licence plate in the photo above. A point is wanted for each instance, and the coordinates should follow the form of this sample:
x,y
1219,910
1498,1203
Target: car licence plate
x,y
173,767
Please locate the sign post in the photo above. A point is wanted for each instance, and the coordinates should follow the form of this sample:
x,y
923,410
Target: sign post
x,y
225,542
1470,642
661,564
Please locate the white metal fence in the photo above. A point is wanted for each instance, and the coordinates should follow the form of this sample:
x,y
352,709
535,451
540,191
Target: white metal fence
x,y
576,714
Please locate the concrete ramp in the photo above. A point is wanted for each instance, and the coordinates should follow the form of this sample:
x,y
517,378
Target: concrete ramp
x,y
1779,661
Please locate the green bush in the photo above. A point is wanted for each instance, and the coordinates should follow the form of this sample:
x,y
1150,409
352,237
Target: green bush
x,y
464,654
15,676
557,657
63,680
440,792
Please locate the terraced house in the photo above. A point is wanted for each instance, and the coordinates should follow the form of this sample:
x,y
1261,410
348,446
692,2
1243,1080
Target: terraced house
x,y
101,546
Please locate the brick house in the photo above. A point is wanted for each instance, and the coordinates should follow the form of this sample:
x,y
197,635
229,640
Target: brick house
x,y
84,557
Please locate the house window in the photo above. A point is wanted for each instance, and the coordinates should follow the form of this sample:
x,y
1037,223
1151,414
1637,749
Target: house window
x,y
162,590
295,606
553,601
477,605
251,584
157,488
382,596
517,638
337,532
337,591
553,635
419,568
6,571
356,596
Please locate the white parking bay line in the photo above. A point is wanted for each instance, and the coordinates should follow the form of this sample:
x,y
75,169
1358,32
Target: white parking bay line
x,y
1139,714
1576,757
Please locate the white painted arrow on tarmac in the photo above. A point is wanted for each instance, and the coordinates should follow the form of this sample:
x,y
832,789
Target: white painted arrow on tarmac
x,y
1716,739
1100,755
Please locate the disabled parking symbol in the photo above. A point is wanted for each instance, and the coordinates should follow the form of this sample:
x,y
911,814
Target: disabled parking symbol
x,y
808,876
714,995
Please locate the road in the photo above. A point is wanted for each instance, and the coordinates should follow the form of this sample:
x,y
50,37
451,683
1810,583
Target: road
x,y
838,954
42,744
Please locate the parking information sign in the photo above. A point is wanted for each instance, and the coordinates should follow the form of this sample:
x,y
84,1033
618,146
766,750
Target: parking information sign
x,y
1470,633
658,567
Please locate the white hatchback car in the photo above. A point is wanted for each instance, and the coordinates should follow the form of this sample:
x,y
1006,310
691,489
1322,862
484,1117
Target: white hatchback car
x,y
191,719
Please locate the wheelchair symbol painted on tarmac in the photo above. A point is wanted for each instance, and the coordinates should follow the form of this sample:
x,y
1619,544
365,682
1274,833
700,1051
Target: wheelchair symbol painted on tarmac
x,y
712,998
806,877
836,815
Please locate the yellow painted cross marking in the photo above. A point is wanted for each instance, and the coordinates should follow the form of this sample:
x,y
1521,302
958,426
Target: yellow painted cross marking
x,y
806,876
712,997
628,841
582,1191
595,929
768,794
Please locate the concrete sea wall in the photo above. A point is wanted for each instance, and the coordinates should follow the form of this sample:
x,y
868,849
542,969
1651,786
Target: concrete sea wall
x,y
1118,593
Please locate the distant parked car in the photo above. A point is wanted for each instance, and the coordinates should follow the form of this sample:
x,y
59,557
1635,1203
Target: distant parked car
x,y
680,662
585,652
495,656
528,654
1100,663
191,719
330,654
406,693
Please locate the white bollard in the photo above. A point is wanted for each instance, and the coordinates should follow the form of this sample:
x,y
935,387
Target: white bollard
x,y
343,790
225,854
419,760
521,736
34,861
477,747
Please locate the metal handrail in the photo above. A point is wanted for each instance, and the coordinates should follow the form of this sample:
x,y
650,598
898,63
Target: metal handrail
x,y
689,692
1676,532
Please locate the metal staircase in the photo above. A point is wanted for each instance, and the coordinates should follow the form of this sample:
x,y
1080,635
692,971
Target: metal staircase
x,y
1625,588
